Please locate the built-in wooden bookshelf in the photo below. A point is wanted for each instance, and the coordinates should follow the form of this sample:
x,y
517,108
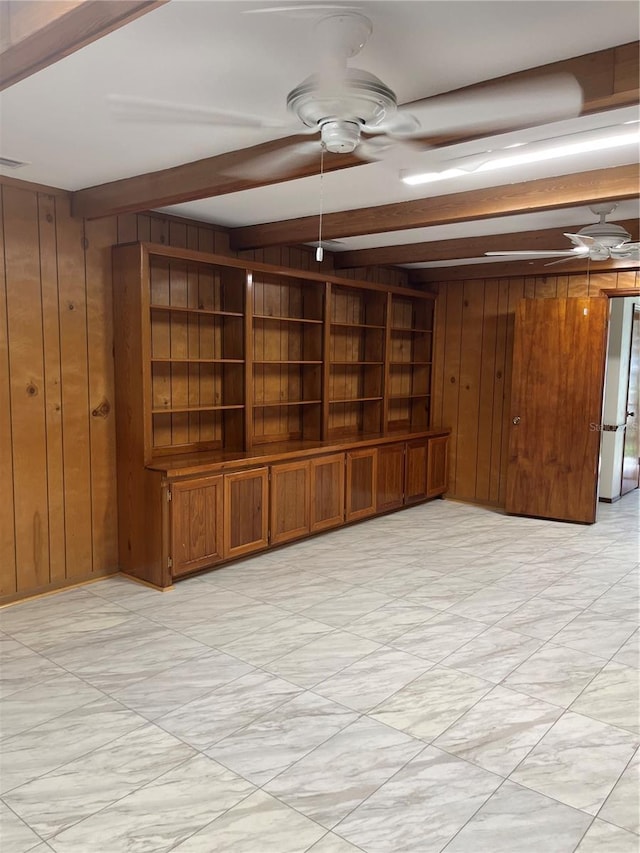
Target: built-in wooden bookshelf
x,y
255,405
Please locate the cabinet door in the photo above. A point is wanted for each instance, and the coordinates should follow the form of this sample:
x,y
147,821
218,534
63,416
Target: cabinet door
x,y
246,497
361,483
390,490
438,466
416,471
290,499
327,491
196,524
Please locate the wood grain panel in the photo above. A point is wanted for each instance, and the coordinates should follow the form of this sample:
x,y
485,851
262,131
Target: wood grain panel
x,y
75,392
246,512
415,488
27,388
53,385
100,235
196,524
471,356
8,578
486,388
361,483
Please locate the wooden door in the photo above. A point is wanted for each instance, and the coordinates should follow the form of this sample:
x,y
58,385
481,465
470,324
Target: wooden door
x,y
437,465
556,404
631,462
390,486
246,506
361,483
327,492
415,488
196,524
290,499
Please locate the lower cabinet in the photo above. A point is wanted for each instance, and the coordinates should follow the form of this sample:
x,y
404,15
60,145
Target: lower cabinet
x,y
246,507
213,518
360,492
327,492
290,501
196,524
416,471
390,485
437,465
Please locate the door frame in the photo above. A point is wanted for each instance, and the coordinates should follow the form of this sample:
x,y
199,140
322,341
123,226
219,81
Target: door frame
x,y
611,293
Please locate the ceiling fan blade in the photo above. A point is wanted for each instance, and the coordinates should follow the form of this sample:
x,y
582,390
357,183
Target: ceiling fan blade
x,y
583,241
306,11
275,164
563,260
518,103
626,250
130,108
570,253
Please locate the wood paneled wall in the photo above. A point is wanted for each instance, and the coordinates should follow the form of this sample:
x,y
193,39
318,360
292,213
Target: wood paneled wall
x,y
472,369
57,430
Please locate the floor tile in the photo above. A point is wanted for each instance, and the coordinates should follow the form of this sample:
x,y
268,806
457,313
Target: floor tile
x,y
258,823
613,697
540,618
622,806
211,718
15,835
321,658
78,789
438,637
342,609
621,601
390,621
604,838
28,755
444,593
369,681
22,669
25,709
575,591
338,775
276,640
431,703
493,654
578,761
499,731
269,745
595,633
227,627
516,820
421,808
332,843
490,604
556,674
174,687
191,795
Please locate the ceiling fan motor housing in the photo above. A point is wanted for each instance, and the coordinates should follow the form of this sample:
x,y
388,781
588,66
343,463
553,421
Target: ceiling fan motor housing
x,y
341,110
606,233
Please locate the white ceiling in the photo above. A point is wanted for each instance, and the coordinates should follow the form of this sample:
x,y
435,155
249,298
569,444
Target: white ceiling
x,y
213,54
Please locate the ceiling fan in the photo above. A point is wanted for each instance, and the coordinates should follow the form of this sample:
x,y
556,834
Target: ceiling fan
x,y
350,110
598,242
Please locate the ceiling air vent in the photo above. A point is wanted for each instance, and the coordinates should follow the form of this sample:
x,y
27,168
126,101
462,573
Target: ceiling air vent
x,y
8,163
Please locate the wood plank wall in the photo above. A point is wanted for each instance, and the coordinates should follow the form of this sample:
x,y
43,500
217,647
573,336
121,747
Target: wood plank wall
x,y
57,430
472,369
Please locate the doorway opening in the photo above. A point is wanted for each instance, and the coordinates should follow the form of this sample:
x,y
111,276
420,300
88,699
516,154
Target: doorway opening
x,y
620,435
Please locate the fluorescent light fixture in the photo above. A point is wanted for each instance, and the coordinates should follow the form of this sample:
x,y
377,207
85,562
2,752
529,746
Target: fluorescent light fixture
x,y
533,153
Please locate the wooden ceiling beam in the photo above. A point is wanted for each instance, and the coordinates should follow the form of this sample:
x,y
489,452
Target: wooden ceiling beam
x,y
462,247
37,33
516,269
620,182
609,79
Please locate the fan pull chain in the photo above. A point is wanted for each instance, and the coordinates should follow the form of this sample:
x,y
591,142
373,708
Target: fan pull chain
x,y
320,250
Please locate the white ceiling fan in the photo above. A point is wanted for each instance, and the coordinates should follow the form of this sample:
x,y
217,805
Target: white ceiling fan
x,y
598,242
352,110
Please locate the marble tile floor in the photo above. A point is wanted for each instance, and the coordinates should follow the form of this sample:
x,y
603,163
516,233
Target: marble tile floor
x,y
446,678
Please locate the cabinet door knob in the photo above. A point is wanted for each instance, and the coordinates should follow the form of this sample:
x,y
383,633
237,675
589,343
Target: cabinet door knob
x,y
516,420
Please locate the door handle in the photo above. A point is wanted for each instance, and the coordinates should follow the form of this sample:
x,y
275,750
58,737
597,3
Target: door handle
x,y
516,420
631,414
